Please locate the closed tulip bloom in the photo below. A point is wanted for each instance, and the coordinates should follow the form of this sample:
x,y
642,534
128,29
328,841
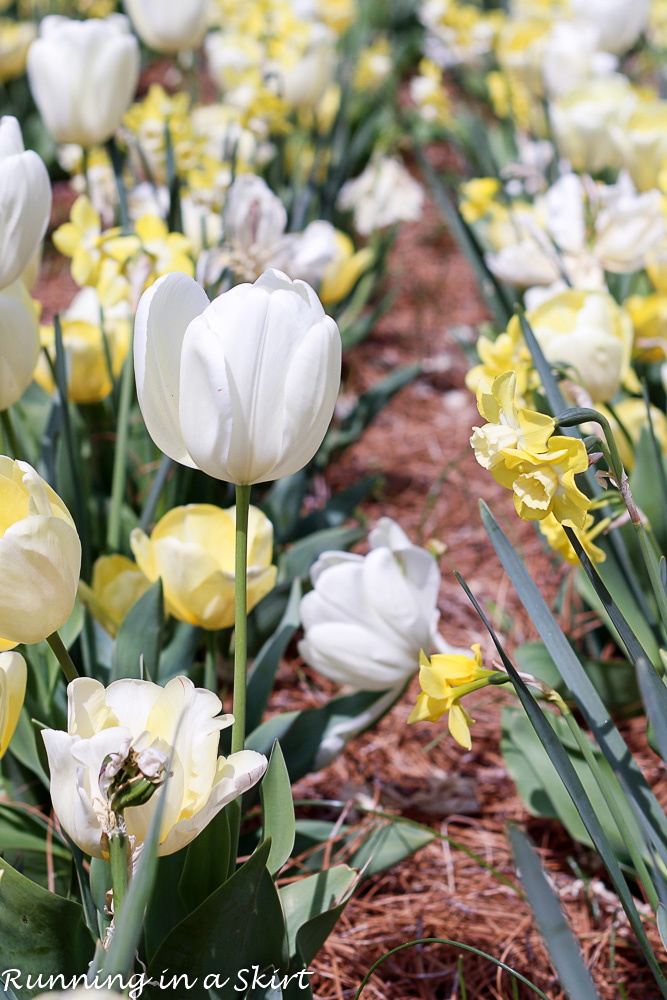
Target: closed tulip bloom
x,y
25,202
177,722
169,25
19,342
40,556
192,550
243,387
83,75
369,616
13,676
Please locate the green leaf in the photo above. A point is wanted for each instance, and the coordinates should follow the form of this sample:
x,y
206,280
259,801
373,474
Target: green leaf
x,y
40,933
298,559
140,634
27,746
654,694
339,508
591,706
563,949
179,655
267,661
543,792
283,502
571,780
238,926
388,845
26,831
305,901
646,481
277,810
206,862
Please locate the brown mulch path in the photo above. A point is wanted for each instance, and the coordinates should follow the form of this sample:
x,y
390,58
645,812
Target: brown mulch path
x,y
420,446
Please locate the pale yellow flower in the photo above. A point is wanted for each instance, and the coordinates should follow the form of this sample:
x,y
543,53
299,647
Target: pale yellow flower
x,y
117,583
508,426
557,539
544,484
192,550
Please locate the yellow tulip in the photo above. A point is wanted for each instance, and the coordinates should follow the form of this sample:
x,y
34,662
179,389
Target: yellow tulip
x,y
88,377
192,550
40,556
13,676
118,583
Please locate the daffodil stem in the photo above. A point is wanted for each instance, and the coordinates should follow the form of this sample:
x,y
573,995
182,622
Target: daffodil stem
x,y
63,657
9,433
209,663
240,618
120,455
118,861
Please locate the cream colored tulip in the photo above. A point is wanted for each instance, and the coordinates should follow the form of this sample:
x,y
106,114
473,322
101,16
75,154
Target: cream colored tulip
x,y
25,202
192,550
40,556
590,332
19,342
177,722
117,584
13,676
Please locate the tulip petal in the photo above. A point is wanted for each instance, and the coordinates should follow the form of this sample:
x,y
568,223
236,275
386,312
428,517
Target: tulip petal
x,y
13,678
165,311
354,655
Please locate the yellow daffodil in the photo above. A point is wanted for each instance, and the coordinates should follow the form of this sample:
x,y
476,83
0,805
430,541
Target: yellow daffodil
x,y
478,195
147,122
440,678
557,539
507,352
80,239
544,483
508,426
164,251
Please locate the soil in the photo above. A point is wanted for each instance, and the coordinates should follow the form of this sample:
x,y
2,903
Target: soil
x,y
463,886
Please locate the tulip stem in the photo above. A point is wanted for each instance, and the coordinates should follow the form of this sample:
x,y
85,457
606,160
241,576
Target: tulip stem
x,y
119,478
240,618
63,657
118,861
10,434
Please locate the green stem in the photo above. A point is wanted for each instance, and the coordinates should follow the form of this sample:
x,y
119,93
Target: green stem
x,y
10,434
118,860
120,456
610,799
240,618
63,657
209,663
117,164
240,656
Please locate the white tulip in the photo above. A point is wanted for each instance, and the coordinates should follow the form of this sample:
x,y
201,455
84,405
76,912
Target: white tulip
x,y
177,721
301,82
619,22
243,387
368,616
586,119
19,342
169,25
25,202
382,195
83,75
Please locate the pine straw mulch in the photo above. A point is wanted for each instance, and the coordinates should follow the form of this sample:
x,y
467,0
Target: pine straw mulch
x,y
431,485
